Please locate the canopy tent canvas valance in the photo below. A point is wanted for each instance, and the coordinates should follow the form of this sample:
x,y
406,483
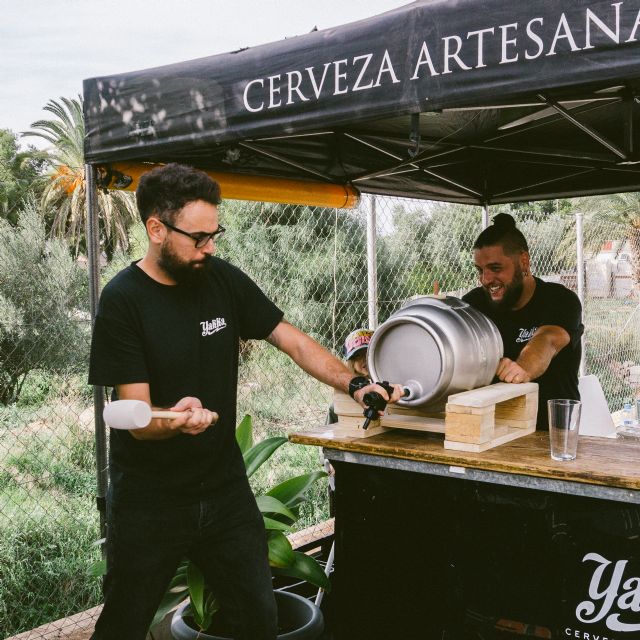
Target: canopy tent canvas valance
x,y
457,100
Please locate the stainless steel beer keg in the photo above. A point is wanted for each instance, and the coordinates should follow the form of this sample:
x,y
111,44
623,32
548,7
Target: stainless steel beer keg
x,y
435,346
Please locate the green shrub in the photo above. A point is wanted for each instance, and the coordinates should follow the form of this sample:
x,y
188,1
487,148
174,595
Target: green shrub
x,y
41,325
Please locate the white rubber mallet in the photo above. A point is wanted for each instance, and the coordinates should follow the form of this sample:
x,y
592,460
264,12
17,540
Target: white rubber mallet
x,y
134,414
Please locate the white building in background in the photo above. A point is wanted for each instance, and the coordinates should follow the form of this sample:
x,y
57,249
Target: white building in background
x,y
609,273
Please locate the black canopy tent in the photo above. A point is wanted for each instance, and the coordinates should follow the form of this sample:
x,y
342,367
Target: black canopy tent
x,y
471,101
456,100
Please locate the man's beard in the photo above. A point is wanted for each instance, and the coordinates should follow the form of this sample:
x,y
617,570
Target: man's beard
x,y
189,273
512,292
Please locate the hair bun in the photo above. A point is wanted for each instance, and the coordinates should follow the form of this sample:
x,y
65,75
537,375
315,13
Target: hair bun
x,y
504,221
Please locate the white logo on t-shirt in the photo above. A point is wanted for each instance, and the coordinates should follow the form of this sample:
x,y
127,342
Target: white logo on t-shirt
x,y
526,334
209,327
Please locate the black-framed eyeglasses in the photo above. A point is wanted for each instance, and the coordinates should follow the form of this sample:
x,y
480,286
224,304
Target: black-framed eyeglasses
x,y
200,238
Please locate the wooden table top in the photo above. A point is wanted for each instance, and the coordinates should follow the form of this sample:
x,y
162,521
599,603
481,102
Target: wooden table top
x,y
601,461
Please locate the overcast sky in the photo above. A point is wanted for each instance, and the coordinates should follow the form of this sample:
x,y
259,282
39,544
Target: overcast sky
x,y
47,47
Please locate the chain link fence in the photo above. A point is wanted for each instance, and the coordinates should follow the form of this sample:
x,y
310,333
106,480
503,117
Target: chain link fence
x,y
314,263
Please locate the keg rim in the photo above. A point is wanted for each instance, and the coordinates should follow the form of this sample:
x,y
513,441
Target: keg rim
x,y
441,382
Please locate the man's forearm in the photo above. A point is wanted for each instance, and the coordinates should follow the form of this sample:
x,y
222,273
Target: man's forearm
x,y
535,361
311,357
191,418
536,357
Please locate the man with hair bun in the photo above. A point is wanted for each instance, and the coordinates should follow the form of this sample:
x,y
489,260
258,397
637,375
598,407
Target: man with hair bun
x,y
506,588
540,322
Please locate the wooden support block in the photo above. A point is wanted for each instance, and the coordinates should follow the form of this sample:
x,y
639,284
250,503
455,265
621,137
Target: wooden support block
x,y
513,414
516,424
414,422
396,409
351,418
345,405
524,407
470,427
351,427
459,408
474,420
492,394
475,447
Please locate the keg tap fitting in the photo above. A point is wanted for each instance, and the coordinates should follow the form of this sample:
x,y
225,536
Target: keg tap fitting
x,y
376,403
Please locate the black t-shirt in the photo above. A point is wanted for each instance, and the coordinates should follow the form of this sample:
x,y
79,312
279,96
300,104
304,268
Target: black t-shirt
x,y
182,341
551,304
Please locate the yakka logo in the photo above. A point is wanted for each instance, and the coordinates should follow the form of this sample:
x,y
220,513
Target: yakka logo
x,y
526,334
609,591
210,327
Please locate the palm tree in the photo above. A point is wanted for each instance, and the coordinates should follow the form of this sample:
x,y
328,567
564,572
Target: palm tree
x,y
623,209
64,189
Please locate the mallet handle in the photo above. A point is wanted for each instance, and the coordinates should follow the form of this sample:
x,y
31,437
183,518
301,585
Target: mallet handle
x,y
171,415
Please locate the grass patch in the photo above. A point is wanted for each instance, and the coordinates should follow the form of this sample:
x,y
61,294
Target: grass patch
x,y
48,519
46,545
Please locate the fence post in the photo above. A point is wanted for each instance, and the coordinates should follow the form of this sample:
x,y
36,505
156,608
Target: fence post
x,y
372,265
93,255
580,278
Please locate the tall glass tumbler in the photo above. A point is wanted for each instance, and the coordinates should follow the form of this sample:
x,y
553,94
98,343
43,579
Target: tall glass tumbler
x,y
564,424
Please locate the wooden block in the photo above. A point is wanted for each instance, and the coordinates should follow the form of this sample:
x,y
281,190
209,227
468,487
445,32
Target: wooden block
x,y
345,405
468,427
524,407
518,411
474,447
396,409
516,424
351,427
492,394
416,423
474,420
459,408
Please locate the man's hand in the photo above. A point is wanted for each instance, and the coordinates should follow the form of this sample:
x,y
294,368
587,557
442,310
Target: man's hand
x,y
197,418
510,371
398,391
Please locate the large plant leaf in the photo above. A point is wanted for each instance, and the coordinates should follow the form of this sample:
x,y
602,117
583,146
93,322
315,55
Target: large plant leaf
x,y
97,569
280,551
178,590
291,491
244,434
306,568
259,453
269,504
195,580
211,607
274,525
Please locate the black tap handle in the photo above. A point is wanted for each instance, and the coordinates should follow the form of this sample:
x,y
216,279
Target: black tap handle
x,y
375,403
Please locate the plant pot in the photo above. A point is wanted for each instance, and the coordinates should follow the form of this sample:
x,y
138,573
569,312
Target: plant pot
x,y
302,619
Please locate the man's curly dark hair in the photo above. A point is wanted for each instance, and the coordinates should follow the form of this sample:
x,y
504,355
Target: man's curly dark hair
x,y
165,190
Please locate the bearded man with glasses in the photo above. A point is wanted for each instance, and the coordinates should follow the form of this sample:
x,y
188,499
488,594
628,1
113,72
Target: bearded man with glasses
x,y
167,332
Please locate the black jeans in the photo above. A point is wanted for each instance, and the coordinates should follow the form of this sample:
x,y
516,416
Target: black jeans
x,y
224,535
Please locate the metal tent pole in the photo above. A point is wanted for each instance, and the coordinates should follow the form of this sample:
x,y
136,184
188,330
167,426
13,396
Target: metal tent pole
x,y
93,255
580,278
372,266
485,216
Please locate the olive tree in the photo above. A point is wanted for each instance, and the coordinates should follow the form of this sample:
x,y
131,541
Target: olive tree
x,y
42,289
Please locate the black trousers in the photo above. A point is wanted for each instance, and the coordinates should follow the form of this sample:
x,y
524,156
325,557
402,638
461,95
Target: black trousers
x,y
223,535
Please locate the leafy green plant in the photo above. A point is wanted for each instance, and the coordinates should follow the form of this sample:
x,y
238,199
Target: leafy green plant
x,y
42,326
280,508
